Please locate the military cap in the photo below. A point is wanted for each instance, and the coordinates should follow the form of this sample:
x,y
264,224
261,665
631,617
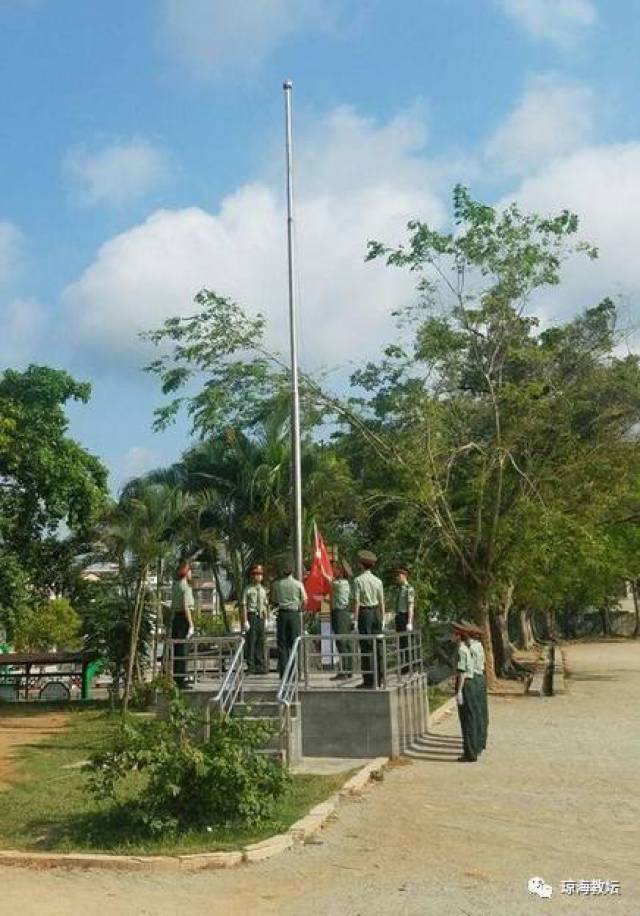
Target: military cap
x,y
471,628
457,627
256,568
286,566
366,556
401,569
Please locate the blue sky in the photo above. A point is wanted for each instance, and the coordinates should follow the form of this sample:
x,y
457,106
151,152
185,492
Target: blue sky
x,y
141,159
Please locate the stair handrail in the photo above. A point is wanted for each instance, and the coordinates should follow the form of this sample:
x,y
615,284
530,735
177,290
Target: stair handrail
x,y
233,682
288,695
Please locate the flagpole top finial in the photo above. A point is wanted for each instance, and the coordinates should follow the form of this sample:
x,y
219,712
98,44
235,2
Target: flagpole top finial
x,y
287,85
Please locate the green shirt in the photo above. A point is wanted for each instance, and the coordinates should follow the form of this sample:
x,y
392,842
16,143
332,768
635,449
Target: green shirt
x,y
289,594
340,594
181,597
255,599
477,656
402,598
465,662
368,590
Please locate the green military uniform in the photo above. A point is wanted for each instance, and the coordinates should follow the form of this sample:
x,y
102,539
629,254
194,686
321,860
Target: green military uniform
x,y
368,595
289,596
341,623
401,599
255,602
477,654
181,601
468,711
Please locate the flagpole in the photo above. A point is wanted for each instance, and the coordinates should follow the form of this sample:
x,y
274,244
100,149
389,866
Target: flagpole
x,y
296,471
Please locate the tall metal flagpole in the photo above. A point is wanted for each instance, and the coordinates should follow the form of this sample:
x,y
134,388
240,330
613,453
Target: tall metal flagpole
x,y
296,472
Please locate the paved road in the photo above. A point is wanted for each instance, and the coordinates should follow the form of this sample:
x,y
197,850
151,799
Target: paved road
x,y
556,795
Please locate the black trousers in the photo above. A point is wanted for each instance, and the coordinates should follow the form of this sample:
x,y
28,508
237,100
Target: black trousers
x,y
179,630
469,714
254,646
401,622
341,627
370,624
287,631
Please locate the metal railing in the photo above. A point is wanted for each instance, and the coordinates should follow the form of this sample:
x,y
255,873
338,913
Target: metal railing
x,y
200,660
381,659
288,696
232,685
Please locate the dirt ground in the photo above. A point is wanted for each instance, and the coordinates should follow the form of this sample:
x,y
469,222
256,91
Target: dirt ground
x,y
555,795
18,729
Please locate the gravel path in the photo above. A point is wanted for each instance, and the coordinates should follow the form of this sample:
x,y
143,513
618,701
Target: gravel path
x,y
555,795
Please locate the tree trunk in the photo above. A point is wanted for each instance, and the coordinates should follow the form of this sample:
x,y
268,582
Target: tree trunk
x,y
136,620
503,647
159,621
480,609
606,623
221,601
526,631
636,608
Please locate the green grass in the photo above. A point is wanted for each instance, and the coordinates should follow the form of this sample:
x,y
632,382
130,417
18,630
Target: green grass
x,y
49,808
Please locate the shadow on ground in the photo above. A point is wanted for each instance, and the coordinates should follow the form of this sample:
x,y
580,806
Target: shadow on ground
x,y
435,747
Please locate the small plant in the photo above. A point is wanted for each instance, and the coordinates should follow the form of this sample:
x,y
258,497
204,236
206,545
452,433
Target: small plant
x,y
144,693
179,784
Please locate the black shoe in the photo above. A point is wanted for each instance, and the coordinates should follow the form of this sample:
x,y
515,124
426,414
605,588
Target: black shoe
x,y
362,687
347,676
337,677
465,759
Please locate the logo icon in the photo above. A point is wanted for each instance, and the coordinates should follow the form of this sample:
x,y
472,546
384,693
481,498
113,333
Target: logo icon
x,y
540,887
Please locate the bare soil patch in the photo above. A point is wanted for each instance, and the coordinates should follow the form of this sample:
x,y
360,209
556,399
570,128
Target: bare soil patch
x,y
20,727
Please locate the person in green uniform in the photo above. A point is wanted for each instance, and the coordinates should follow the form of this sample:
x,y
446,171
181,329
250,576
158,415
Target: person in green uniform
x,y
288,596
477,654
341,620
182,606
255,612
465,695
402,600
368,606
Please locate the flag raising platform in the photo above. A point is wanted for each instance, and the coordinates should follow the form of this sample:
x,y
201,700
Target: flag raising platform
x,y
319,715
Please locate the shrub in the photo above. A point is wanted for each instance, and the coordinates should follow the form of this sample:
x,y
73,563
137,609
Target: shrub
x,y
222,782
144,693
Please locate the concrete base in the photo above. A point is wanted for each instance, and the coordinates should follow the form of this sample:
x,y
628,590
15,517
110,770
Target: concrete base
x,y
363,723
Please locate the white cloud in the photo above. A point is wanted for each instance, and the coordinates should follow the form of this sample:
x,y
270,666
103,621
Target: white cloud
x,y
554,116
214,38
116,174
138,460
11,250
21,321
358,180
602,185
561,22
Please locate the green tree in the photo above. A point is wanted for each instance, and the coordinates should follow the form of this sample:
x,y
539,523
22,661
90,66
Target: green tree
x,y
46,480
496,419
47,625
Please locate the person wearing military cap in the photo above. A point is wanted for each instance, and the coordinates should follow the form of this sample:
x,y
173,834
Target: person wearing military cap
x,y
288,596
474,641
255,612
369,609
341,620
466,695
402,599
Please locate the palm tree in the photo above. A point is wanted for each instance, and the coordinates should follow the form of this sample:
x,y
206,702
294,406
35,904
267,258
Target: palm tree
x,y
139,531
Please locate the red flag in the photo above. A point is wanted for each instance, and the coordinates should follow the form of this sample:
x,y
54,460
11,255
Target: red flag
x,y
320,575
